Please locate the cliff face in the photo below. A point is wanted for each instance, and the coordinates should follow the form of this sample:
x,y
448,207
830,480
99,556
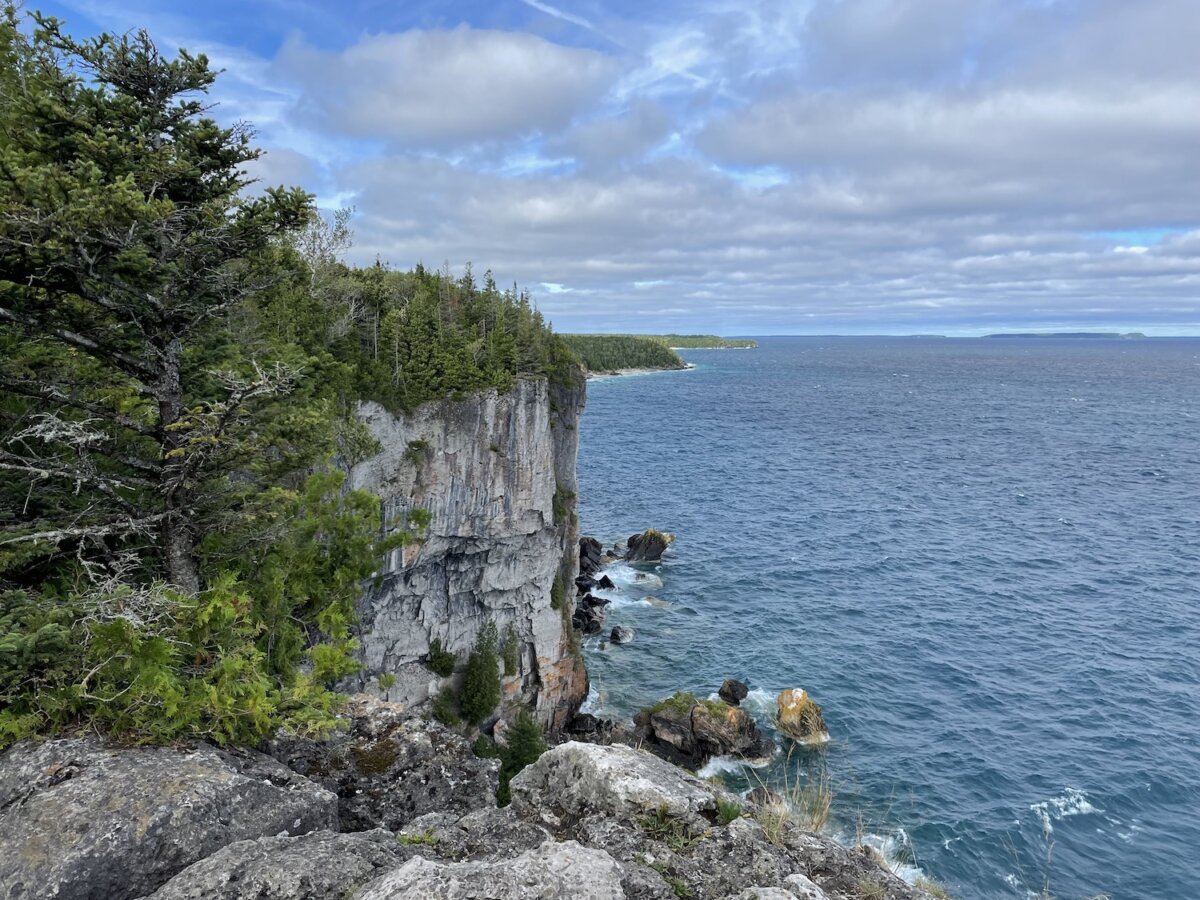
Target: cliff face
x,y
497,474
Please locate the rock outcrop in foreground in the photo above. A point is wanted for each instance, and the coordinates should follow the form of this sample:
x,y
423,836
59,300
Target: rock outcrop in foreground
x,y
83,821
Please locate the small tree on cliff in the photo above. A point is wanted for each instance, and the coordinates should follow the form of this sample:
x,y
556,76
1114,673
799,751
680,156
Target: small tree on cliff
x,y
124,245
481,681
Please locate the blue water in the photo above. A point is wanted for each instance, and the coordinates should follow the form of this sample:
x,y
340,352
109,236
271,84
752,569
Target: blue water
x,y
982,557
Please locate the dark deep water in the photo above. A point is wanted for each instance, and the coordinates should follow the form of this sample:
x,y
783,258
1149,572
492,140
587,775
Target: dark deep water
x,y
981,556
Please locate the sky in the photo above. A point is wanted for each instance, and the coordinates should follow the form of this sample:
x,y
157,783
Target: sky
x,y
749,167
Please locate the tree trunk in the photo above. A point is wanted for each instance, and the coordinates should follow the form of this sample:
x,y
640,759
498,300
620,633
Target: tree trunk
x,y
178,538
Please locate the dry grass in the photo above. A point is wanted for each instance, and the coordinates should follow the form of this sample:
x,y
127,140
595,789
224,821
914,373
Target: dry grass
x,y
932,888
804,804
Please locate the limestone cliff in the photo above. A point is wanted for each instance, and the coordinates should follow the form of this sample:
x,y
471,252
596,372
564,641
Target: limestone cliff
x,y
497,473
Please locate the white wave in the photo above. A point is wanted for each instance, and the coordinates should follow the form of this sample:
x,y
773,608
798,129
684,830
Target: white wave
x,y
625,575
760,703
1071,802
895,848
730,765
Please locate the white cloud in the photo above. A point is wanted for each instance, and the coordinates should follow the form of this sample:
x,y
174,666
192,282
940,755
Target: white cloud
x,y
439,88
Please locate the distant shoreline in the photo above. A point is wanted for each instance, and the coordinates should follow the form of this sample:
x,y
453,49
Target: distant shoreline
x,y
617,373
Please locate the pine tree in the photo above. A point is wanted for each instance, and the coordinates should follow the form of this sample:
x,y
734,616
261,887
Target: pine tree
x,y
124,245
481,680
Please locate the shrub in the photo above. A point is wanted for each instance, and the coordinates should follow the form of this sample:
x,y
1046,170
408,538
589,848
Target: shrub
x,y
526,742
558,594
445,708
387,681
481,681
512,650
441,661
415,452
728,811
931,887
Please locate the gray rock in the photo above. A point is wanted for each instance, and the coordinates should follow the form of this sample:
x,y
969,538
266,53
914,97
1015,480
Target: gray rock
x,y
551,872
317,866
768,893
387,770
496,471
689,732
81,819
574,779
621,634
589,557
487,834
660,823
803,888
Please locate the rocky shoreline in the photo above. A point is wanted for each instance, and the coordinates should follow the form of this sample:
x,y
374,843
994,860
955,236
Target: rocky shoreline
x,y
616,373
396,807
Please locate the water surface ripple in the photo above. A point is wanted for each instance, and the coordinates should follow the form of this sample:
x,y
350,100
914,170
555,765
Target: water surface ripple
x,y
981,556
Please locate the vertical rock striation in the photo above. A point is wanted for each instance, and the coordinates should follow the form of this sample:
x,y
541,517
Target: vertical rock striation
x,y
496,471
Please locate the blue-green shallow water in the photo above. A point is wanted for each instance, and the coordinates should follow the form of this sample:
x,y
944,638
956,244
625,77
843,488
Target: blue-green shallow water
x,y
981,556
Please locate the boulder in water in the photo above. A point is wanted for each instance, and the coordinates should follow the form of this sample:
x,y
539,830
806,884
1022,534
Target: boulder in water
x,y
589,555
648,546
621,634
799,717
690,732
733,691
605,583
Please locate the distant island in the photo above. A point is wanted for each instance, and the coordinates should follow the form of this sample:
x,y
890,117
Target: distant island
x,y
615,353
1072,335
703,342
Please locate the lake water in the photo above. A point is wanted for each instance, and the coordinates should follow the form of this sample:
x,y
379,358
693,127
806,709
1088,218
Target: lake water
x,y
982,557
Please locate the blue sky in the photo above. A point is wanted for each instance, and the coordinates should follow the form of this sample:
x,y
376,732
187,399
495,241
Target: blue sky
x,y
814,166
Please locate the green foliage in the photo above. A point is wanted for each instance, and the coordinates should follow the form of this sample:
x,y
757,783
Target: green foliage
x,y
441,661
605,352
421,838
152,664
511,651
526,743
415,452
444,708
681,702
558,594
662,826
386,681
180,368
702,341
562,505
481,679
728,811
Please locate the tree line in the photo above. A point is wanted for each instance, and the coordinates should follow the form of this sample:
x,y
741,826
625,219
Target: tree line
x,y
180,359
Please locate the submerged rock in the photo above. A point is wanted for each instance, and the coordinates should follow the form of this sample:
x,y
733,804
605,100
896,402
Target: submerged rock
x,y
733,691
83,819
690,732
551,872
621,634
799,717
317,866
387,770
648,546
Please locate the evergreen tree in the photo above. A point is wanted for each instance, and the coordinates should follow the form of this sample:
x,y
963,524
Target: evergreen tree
x,y
124,245
481,679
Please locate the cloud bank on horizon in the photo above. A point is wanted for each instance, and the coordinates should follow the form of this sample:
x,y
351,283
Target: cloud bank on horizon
x,y
764,166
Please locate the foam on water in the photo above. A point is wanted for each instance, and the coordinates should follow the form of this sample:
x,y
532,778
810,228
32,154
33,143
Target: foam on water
x,y
1071,802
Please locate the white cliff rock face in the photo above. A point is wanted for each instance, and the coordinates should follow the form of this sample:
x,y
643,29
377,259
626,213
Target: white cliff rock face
x,y
488,469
